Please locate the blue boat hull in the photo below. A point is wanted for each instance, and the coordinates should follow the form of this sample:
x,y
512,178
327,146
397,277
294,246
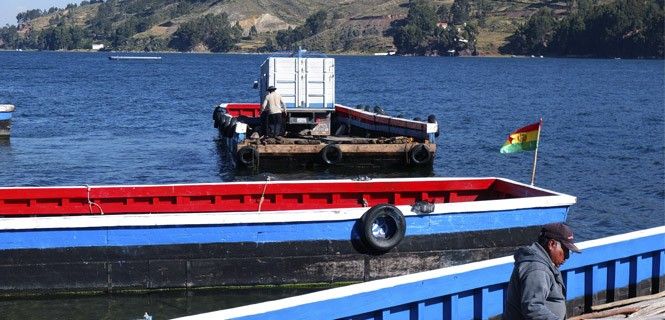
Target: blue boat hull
x,y
164,254
609,269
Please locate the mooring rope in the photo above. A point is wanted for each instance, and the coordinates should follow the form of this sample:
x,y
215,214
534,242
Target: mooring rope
x,y
263,194
91,203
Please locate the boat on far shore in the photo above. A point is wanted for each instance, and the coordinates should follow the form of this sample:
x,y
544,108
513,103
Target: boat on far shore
x,y
135,58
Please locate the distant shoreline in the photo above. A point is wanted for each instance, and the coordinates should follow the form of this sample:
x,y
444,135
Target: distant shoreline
x,y
147,53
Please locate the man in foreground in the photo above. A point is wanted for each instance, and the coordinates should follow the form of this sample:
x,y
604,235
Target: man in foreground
x,y
536,289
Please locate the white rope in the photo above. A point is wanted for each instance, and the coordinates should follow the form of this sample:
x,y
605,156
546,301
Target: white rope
x,y
263,193
91,203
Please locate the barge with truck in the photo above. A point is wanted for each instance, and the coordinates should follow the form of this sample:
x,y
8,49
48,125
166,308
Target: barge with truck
x,y
146,237
318,131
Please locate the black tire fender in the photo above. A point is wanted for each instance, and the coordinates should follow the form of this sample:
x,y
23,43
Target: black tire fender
x,y
419,154
231,128
248,156
216,116
383,227
223,123
331,154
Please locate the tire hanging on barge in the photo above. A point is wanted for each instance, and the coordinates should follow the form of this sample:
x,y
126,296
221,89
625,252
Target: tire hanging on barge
x,y
419,154
382,227
230,128
216,116
248,156
331,154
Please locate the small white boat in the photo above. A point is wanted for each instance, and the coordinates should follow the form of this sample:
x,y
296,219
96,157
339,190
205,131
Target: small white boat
x,y
6,111
134,58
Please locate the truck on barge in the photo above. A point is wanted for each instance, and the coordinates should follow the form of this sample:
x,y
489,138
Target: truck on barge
x,y
318,131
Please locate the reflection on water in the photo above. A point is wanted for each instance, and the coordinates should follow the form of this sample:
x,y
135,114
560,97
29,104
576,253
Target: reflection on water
x,y
159,305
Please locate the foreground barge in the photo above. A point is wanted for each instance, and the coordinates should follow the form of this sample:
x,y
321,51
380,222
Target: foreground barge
x,y
608,270
110,238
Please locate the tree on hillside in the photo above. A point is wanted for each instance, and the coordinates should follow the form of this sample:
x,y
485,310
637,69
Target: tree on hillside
x,y
23,17
9,38
460,10
534,36
443,12
422,16
214,31
624,28
314,24
63,38
419,33
418,29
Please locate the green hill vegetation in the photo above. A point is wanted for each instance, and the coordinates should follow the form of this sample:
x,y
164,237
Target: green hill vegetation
x,y
596,28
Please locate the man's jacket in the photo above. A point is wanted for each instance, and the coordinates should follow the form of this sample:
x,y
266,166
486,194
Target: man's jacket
x,y
536,289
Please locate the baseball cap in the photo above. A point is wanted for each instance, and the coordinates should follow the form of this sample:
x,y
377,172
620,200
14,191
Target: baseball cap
x,y
562,233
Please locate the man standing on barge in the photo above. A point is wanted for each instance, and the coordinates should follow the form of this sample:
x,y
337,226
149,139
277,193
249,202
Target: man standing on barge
x,y
536,289
274,106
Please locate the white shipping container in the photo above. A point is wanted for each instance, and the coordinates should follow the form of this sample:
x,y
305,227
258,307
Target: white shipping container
x,y
302,82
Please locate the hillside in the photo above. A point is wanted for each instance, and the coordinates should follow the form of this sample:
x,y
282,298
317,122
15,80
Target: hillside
x,y
346,26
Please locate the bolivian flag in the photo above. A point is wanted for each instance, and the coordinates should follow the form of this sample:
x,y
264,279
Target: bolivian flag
x,y
523,139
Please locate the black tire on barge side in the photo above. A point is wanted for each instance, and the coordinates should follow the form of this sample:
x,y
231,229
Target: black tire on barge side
x,y
248,156
382,227
419,154
231,128
331,154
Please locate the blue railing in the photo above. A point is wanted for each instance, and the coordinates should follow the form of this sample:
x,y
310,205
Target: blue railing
x,y
608,269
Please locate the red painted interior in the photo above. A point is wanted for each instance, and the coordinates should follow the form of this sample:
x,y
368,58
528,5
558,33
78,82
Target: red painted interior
x,y
244,109
226,197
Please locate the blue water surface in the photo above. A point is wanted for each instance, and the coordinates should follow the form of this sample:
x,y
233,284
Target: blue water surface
x,y
83,119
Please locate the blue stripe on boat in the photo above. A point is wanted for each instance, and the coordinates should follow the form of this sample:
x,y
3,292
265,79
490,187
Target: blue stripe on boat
x,y
5,115
264,233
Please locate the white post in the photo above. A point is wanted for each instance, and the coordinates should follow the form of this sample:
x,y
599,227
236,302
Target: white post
x,y
535,154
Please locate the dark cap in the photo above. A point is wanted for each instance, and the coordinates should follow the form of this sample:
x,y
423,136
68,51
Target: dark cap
x,y
562,233
271,88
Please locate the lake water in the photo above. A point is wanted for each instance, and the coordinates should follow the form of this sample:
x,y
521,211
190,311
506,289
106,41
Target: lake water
x,y
83,119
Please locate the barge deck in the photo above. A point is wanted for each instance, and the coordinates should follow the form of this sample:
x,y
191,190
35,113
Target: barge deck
x,y
340,151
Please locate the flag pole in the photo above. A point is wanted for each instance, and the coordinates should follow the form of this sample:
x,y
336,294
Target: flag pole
x,y
535,154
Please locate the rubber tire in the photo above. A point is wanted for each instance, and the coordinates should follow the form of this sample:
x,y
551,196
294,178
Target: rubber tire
x,y
248,156
216,116
223,124
395,220
216,113
419,154
379,110
331,154
231,128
